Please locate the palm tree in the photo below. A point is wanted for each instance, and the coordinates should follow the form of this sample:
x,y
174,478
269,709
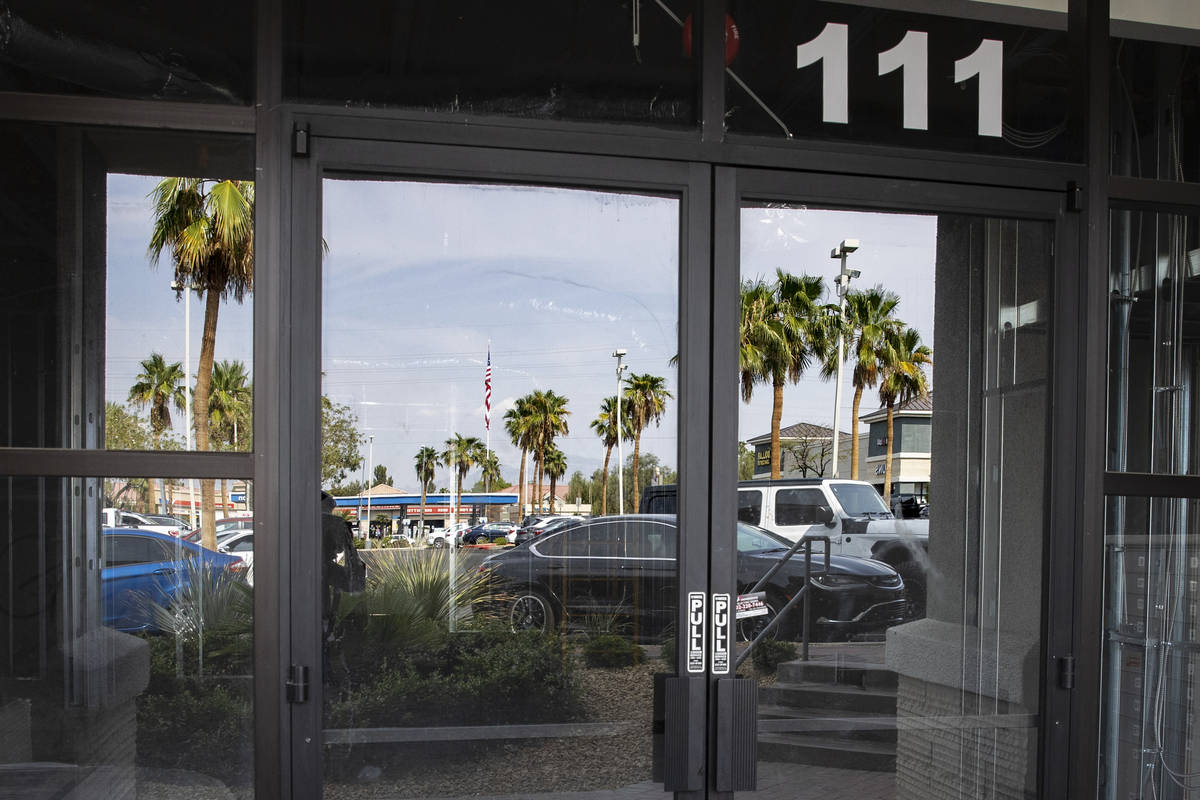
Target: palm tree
x,y
902,378
159,385
869,319
208,227
229,400
549,420
462,453
556,467
490,470
518,423
782,327
647,397
425,463
605,426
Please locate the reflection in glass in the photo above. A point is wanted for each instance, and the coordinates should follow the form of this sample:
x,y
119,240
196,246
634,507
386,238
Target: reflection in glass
x,y
937,691
1151,634
1152,405
505,633
127,651
132,50
543,60
1155,108
101,352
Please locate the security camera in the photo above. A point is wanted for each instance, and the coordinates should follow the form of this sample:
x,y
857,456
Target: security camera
x,y
854,273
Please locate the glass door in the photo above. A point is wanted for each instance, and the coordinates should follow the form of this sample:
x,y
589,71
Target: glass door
x,y
886,525
503,355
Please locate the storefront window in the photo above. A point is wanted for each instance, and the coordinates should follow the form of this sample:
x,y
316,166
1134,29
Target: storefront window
x,y
103,343
127,49
1151,627
126,648
1152,357
991,78
918,674
477,452
542,60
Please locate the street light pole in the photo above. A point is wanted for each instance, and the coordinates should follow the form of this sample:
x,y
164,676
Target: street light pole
x,y
187,383
370,473
842,282
618,354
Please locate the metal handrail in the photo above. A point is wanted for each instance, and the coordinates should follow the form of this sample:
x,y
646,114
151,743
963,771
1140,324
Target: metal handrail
x,y
806,543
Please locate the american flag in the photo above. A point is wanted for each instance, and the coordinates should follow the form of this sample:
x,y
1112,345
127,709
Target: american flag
x,y
487,393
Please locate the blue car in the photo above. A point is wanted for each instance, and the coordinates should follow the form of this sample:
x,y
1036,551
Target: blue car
x,y
142,568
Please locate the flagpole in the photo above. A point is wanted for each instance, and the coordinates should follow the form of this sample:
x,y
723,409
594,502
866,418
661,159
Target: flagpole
x,y
487,417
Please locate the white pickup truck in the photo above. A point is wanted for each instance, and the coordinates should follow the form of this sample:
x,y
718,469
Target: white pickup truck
x,y
851,513
120,518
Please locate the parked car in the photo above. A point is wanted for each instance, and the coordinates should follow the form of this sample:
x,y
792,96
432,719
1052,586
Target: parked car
x,y
120,518
488,531
442,537
545,526
141,568
625,566
241,544
225,527
851,513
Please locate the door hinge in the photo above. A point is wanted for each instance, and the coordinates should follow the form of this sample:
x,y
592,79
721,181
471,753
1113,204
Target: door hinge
x,y
300,141
297,684
1066,672
1074,196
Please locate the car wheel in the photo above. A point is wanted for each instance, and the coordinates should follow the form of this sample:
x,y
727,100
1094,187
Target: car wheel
x,y
749,628
531,611
915,586
439,542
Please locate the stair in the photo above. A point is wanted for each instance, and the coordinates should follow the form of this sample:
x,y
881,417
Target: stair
x,y
836,710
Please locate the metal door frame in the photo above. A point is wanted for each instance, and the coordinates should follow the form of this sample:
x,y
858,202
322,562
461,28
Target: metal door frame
x,y
1066,388
326,147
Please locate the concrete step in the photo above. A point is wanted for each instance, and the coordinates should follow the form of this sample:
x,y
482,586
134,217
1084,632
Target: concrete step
x,y
861,674
842,725
820,750
825,697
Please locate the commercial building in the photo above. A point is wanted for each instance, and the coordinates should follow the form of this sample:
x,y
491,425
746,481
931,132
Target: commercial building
x,y
426,220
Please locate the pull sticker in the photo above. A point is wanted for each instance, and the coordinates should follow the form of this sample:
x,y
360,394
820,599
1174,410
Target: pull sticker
x,y
695,646
720,638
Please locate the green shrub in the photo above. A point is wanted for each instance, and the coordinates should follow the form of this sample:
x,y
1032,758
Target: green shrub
x,y
204,725
770,653
360,542
500,540
609,650
465,679
400,541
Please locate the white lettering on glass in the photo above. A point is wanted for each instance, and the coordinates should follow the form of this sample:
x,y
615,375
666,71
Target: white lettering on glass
x,y
912,56
988,63
832,49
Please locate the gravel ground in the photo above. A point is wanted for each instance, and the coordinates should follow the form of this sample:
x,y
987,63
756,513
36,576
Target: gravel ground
x,y
539,766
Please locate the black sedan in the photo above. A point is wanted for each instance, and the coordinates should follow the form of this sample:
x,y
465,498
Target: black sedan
x,y
621,572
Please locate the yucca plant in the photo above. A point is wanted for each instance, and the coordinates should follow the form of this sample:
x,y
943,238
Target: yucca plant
x,y
406,605
205,604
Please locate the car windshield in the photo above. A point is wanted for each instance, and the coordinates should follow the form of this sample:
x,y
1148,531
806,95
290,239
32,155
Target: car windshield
x,y
752,539
860,500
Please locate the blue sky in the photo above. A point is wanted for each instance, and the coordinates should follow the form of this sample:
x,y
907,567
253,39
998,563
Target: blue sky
x,y
420,277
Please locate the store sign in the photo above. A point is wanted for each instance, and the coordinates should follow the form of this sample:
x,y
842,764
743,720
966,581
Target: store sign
x,y
721,631
831,49
695,639
841,71
751,605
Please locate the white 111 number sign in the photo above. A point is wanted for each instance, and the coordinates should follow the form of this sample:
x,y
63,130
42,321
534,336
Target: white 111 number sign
x,y
832,49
